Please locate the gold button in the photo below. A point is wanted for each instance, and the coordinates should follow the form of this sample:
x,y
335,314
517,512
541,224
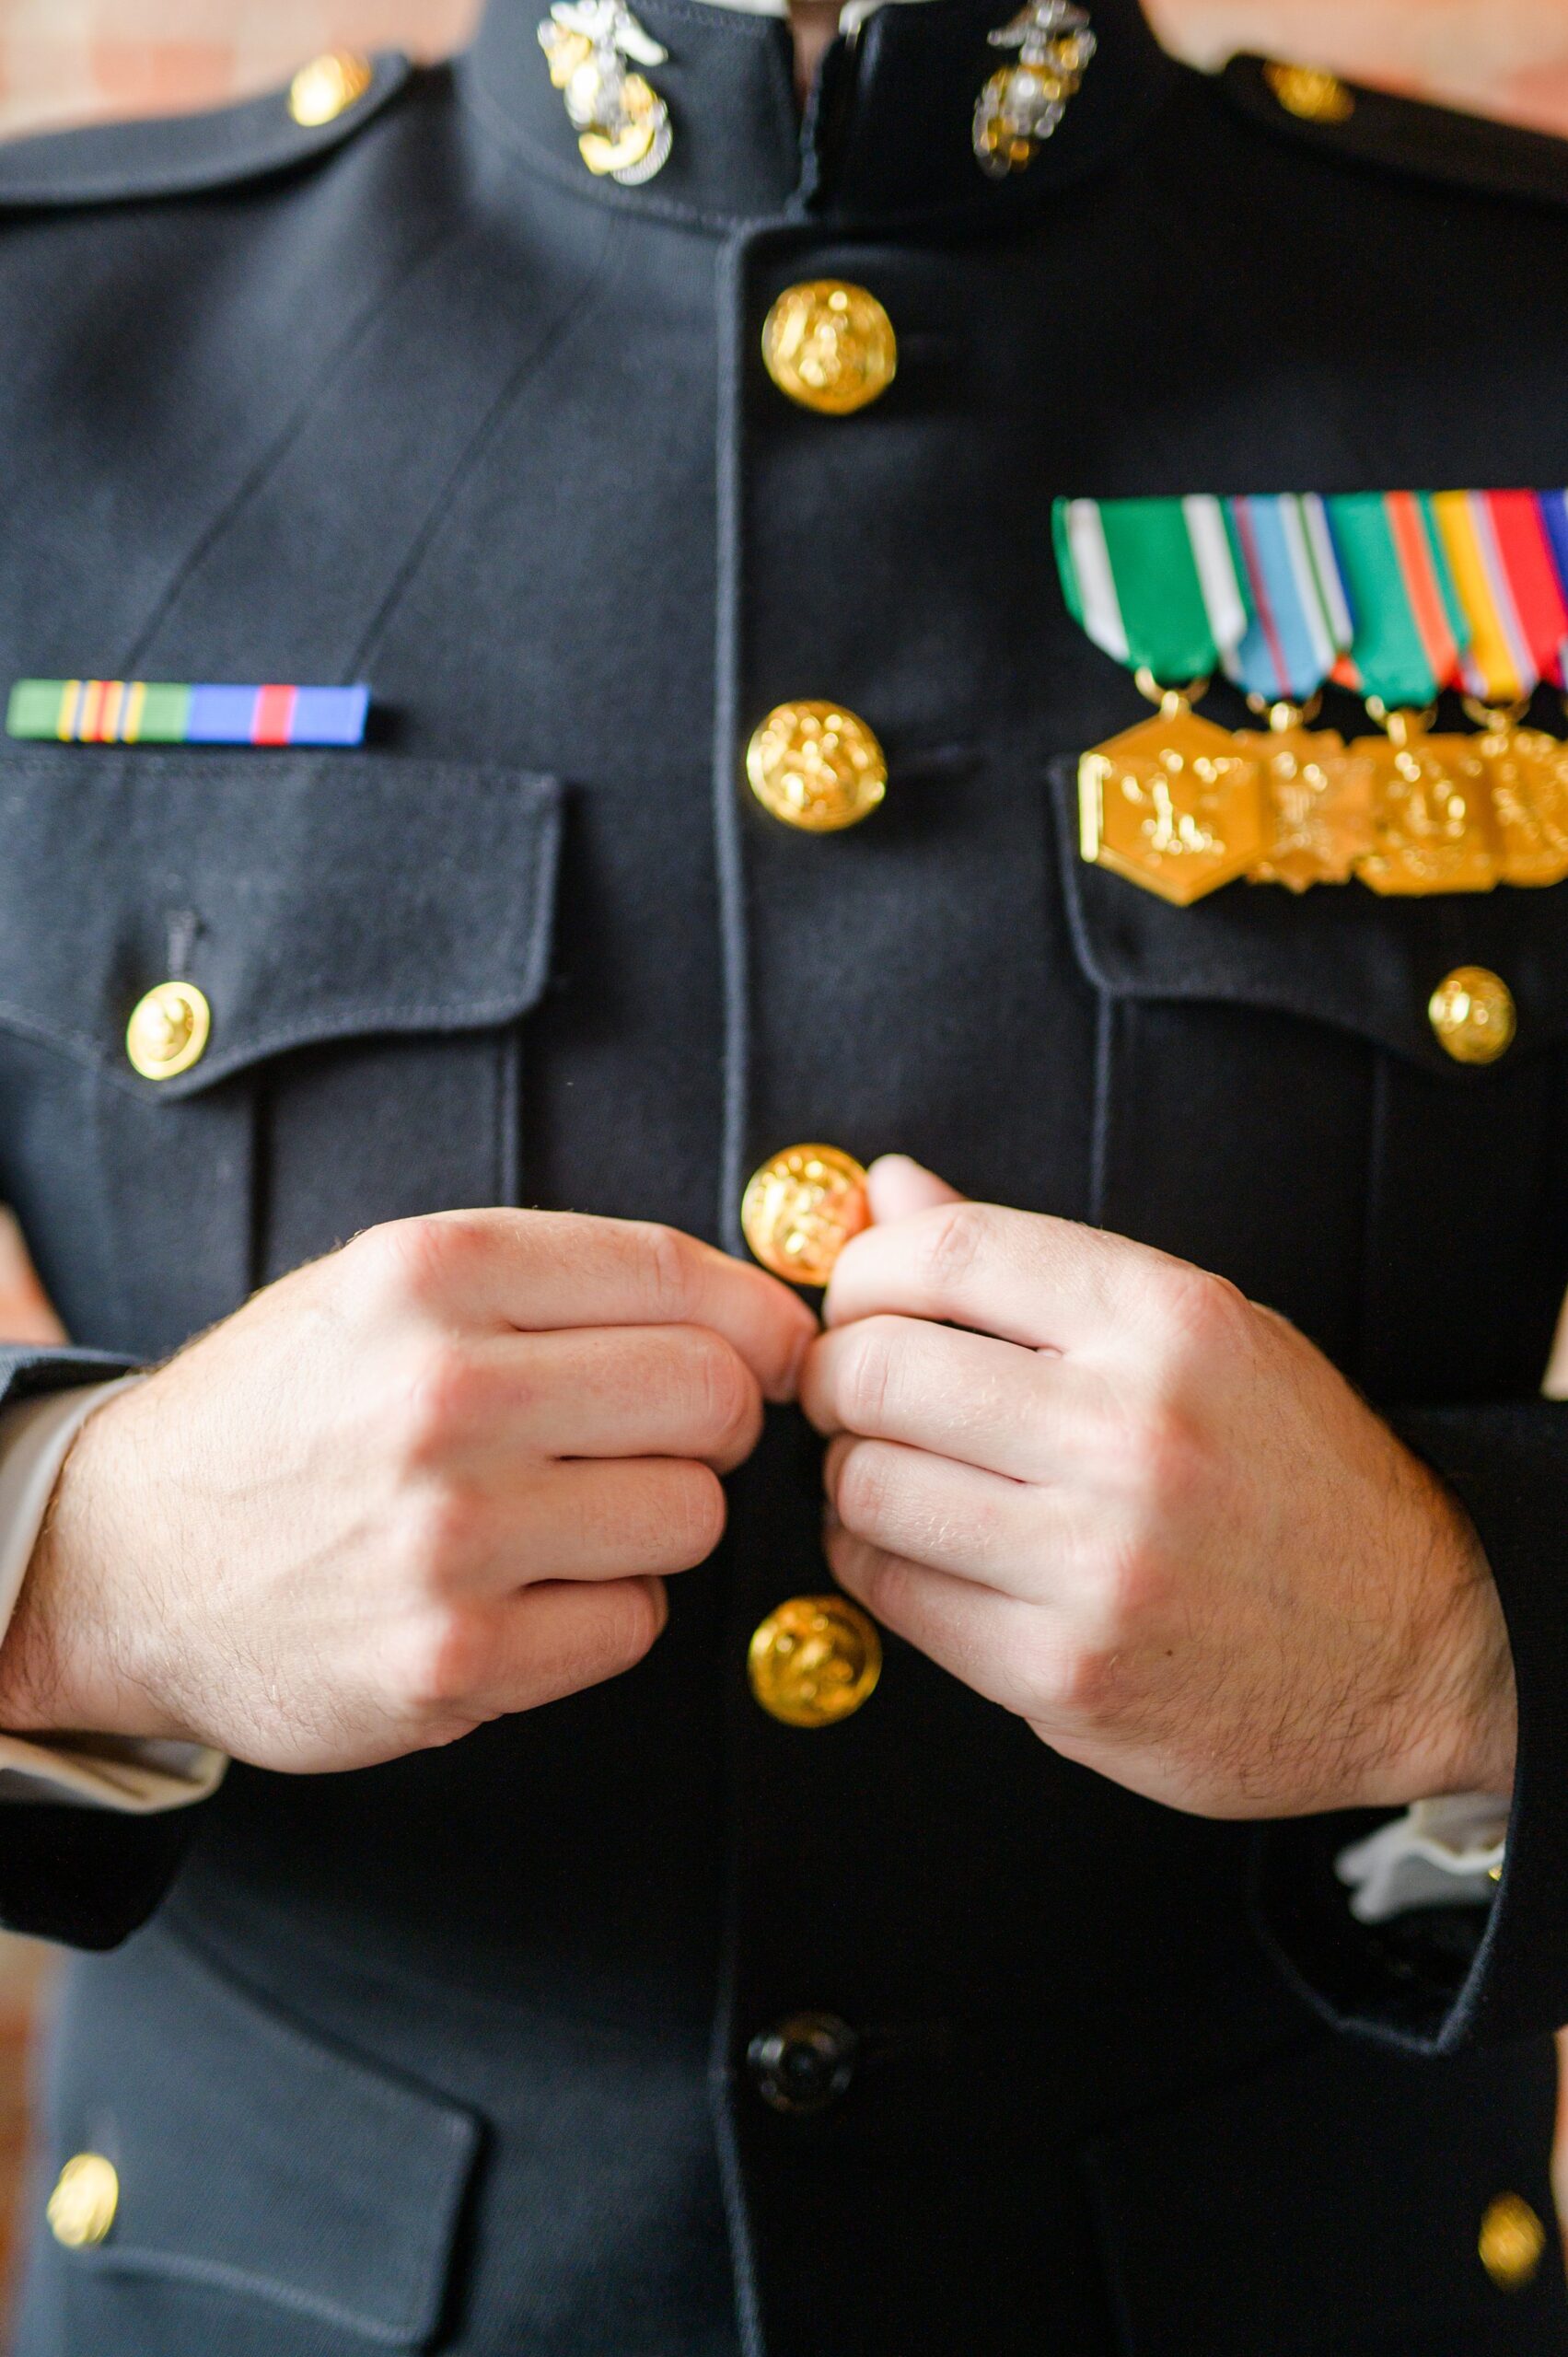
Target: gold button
x,y
82,2206
800,1210
1510,2242
1473,1013
1308,93
830,346
815,1661
815,766
328,86
168,1031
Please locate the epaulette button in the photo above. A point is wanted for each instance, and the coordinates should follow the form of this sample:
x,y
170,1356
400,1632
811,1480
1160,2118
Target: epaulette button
x,y
1311,95
328,86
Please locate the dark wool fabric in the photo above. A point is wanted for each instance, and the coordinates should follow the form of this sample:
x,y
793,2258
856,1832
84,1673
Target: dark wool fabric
x,y
451,2055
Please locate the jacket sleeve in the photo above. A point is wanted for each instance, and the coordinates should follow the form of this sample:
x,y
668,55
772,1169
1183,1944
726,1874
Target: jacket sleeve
x,y
1442,1979
85,1876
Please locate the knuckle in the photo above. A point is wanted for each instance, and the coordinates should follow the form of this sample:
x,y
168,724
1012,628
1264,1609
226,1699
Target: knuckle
x,y
1082,1682
951,1240
1132,1586
1147,1450
438,1402
882,1583
728,1405
669,1261
440,1535
1203,1313
410,1263
862,1489
690,1516
442,1662
1155,1455
866,1376
634,1621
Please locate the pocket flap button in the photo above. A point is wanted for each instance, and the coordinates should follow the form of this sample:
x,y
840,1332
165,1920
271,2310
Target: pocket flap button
x,y
1473,1013
82,2206
168,1031
815,1661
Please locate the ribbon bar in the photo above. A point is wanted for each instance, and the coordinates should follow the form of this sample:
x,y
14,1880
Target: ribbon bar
x,y
142,712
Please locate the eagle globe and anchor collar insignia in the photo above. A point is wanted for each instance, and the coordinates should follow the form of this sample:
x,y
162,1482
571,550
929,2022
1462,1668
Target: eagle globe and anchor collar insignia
x,y
1022,105
1396,596
622,124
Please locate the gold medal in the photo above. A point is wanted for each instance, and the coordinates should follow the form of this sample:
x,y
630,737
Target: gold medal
x,y
1432,828
1173,805
1319,798
1528,773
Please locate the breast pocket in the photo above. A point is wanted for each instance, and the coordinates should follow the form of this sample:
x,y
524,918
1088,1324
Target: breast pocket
x,y
1279,1098
354,943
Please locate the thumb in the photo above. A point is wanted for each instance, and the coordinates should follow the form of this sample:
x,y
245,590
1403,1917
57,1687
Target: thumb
x,y
898,1187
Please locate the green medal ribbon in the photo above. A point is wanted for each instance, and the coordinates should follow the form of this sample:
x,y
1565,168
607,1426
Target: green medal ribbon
x,y
1153,581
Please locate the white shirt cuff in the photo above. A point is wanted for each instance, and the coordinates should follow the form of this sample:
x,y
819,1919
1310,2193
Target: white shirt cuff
x,y
1440,1853
94,1771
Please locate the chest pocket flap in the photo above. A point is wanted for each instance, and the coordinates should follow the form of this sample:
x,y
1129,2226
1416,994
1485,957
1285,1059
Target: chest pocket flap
x,y
1337,954
311,897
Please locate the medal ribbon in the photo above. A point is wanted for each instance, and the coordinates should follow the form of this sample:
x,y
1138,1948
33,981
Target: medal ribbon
x,y
1154,582
1411,627
1552,508
1301,615
1501,559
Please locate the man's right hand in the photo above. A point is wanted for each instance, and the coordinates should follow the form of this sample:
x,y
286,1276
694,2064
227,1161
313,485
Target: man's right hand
x,y
434,1478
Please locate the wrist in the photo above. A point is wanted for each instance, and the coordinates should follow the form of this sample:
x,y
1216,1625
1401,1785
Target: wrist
x,y
72,1657
1463,1725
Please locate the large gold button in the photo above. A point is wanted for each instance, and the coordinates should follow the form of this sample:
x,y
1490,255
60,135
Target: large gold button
x,y
801,1208
168,1031
1512,2242
1309,94
82,2206
815,1661
328,86
815,766
830,346
1473,1013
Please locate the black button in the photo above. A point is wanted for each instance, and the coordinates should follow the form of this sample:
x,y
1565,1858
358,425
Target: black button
x,y
804,2063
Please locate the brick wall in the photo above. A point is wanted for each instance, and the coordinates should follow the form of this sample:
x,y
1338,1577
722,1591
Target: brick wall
x,y
62,58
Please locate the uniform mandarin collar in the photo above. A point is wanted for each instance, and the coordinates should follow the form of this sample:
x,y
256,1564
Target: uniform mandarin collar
x,y
887,132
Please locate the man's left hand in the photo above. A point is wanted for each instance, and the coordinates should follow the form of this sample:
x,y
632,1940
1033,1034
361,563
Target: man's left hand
x,y
1109,1492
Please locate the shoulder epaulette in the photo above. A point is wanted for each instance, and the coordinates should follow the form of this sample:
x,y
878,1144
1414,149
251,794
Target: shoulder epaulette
x,y
109,163
1400,135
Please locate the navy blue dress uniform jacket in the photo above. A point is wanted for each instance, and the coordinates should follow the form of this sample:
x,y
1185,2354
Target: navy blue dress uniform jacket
x,y
453,2054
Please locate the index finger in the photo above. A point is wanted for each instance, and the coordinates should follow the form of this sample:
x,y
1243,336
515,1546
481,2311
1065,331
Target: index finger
x,y
1022,1276
545,1271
